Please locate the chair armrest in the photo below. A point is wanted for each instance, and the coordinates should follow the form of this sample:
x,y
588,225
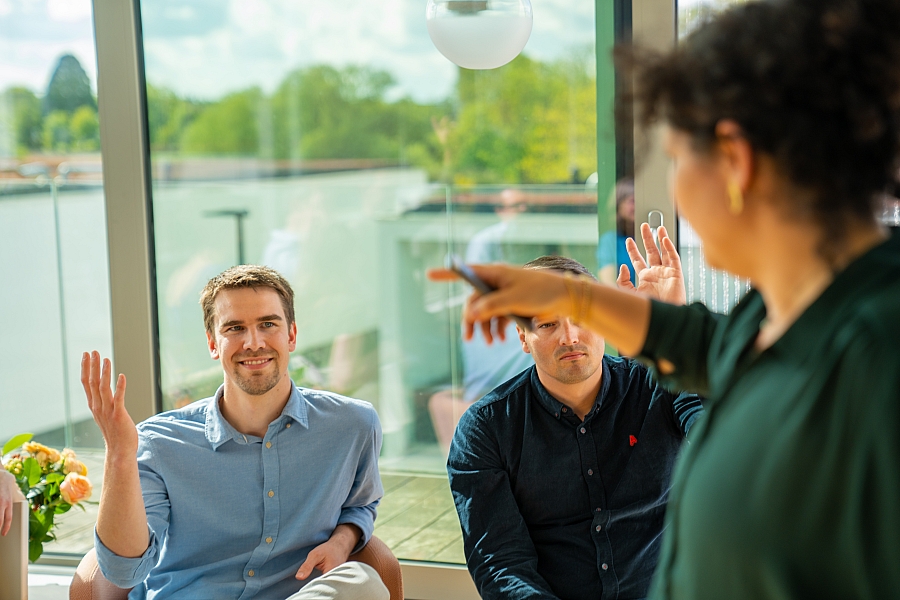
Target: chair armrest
x,y
90,584
377,555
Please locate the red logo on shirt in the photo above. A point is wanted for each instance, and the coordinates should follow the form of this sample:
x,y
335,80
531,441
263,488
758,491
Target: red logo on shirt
x,y
632,440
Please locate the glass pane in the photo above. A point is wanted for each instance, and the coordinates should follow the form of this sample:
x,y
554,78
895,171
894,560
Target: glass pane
x,y
346,152
716,289
54,302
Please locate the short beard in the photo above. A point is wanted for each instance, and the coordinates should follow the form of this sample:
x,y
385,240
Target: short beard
x,y
256,386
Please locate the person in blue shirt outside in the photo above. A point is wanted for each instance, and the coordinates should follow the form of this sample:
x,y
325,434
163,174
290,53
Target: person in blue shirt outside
x,y
252,493
560,476
612,252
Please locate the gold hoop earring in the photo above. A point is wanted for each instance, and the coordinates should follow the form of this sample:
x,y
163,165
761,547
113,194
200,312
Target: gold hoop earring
x,y
737,198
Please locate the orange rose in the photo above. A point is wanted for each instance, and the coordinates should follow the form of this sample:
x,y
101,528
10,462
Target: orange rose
x,y
73,465
75,488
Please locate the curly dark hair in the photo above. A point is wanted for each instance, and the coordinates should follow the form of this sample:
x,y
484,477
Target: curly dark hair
x,y
815,84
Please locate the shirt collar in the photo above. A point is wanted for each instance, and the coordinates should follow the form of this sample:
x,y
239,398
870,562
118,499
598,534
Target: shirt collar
x,y
555,407
219,431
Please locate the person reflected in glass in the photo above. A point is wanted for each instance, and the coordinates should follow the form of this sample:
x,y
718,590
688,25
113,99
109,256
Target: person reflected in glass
x,y
783,123
484,366
560,475
612,253
261,490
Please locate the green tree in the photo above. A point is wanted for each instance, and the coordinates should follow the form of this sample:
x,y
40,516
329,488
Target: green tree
x,y
57,136
22,110
227,127
527,122
84,130
324,112
168,117
69,87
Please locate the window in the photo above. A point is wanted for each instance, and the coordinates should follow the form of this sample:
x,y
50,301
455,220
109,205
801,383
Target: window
x,y
54,301
334,143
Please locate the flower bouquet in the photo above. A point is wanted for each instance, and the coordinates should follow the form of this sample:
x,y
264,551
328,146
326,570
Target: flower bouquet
x,y
52,481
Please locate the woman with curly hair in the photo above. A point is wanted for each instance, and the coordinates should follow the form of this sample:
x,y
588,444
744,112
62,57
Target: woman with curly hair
x,y
783,122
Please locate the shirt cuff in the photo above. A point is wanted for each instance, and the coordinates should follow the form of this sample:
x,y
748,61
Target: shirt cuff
x,y
364,518
121,571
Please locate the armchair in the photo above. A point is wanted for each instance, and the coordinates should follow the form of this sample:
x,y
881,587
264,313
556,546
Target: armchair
x,y
89,584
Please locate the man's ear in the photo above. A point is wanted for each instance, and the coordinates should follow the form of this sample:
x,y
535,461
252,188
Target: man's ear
x,y
525,347
211,344
292,336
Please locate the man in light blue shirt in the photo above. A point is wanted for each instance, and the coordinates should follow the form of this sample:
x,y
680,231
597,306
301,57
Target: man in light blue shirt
x,y
250,493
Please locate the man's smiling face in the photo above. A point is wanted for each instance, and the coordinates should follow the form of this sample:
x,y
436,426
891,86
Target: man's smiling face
x,y
252,338
562,350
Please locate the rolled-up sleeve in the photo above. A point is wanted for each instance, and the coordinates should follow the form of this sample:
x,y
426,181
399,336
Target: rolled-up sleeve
x,y
361,505
129,572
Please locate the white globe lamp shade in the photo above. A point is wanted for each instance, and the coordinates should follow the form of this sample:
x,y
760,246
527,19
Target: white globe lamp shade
x,y
479,34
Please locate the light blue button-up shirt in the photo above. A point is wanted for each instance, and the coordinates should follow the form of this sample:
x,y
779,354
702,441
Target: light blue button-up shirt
x,y
233,515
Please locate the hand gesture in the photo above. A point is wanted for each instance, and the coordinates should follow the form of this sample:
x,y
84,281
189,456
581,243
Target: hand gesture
x,y
662,279
9,493
517,292
332,553
108,408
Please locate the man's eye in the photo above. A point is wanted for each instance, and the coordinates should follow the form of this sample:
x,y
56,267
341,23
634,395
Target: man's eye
x,y
268,324
234,328
546,325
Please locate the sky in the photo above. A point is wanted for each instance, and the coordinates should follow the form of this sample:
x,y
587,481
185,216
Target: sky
x,y
204,49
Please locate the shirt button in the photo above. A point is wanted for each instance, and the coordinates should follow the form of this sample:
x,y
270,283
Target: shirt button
x,y
268,540
268,444
565,409
597,509
271,493
583,430
251,572
288,425
599,527
604,566
590,471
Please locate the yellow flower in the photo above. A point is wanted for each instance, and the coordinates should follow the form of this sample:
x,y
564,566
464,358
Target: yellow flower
x,y
14,466
75,488
44,455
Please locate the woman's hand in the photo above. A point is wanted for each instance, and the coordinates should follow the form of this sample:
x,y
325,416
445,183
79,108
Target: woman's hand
x,y
518,291
9,493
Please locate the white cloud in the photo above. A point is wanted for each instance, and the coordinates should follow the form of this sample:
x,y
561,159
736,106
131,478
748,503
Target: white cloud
x,y
207,48
68,10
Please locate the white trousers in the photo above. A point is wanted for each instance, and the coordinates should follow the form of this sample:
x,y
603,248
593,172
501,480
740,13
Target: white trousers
x,y
349,581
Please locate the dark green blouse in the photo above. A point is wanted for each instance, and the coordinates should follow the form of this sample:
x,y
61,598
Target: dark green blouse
x,y
790,486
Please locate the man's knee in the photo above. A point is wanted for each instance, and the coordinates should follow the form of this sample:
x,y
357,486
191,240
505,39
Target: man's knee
x,y
349,581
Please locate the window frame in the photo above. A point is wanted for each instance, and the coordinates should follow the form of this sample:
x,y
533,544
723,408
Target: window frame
x,y
125,150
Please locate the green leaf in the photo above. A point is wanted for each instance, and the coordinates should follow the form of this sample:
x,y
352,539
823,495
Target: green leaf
x,y
16,441
32,471
55,477
35,549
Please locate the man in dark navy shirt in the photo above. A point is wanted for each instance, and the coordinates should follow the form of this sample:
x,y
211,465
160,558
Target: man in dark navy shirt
x,y
561,475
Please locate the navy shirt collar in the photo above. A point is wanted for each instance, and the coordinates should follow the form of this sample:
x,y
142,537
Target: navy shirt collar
x,y
219,431
555,407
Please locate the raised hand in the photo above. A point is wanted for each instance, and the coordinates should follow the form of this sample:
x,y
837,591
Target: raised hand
x,y
108,407
660,276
